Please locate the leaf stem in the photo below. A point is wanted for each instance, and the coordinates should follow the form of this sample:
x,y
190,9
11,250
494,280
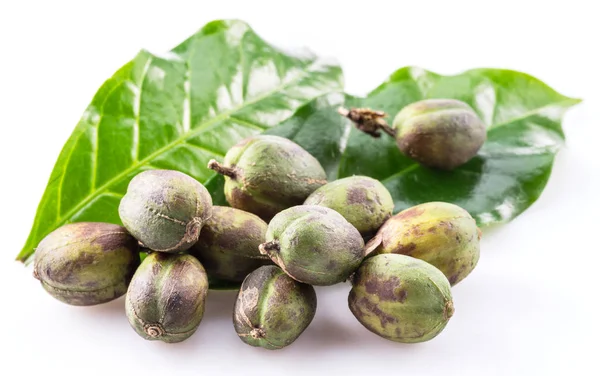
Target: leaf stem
x,y
368,121
223,170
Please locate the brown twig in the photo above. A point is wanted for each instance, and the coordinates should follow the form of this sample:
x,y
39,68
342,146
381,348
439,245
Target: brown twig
x,y
223,170
368,121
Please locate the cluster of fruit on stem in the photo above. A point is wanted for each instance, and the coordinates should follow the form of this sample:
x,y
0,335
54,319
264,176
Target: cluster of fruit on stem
x,y
287,229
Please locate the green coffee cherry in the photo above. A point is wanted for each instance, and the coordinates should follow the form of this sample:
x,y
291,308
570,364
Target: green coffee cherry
x,y
165,300
314,245
267,174
439,133
443,234
401,298
86,263
228,244
272,309
165,210
363,201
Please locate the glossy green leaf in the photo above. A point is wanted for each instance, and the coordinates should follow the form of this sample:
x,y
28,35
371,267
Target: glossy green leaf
x,y
523,116
217,284
175,111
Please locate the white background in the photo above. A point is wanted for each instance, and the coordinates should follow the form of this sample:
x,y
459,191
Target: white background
x,y
530,307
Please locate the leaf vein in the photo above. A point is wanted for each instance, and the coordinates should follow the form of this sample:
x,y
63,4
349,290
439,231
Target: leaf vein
x,y
66,164
138,110
536,111
204,149
182,139
247,123
243,67
404,171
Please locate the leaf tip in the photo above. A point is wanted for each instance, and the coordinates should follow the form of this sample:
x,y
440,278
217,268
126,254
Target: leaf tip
x,y
217,26
575,101
23,257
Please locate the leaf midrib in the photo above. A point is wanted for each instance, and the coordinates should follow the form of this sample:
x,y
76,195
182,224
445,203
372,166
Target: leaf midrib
x,y
180,140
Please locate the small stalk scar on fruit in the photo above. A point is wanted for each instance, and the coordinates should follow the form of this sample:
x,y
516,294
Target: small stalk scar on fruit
x,y
437,133
269,247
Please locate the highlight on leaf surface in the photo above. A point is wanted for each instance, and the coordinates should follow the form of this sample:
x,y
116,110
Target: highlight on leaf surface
x,y
175,111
